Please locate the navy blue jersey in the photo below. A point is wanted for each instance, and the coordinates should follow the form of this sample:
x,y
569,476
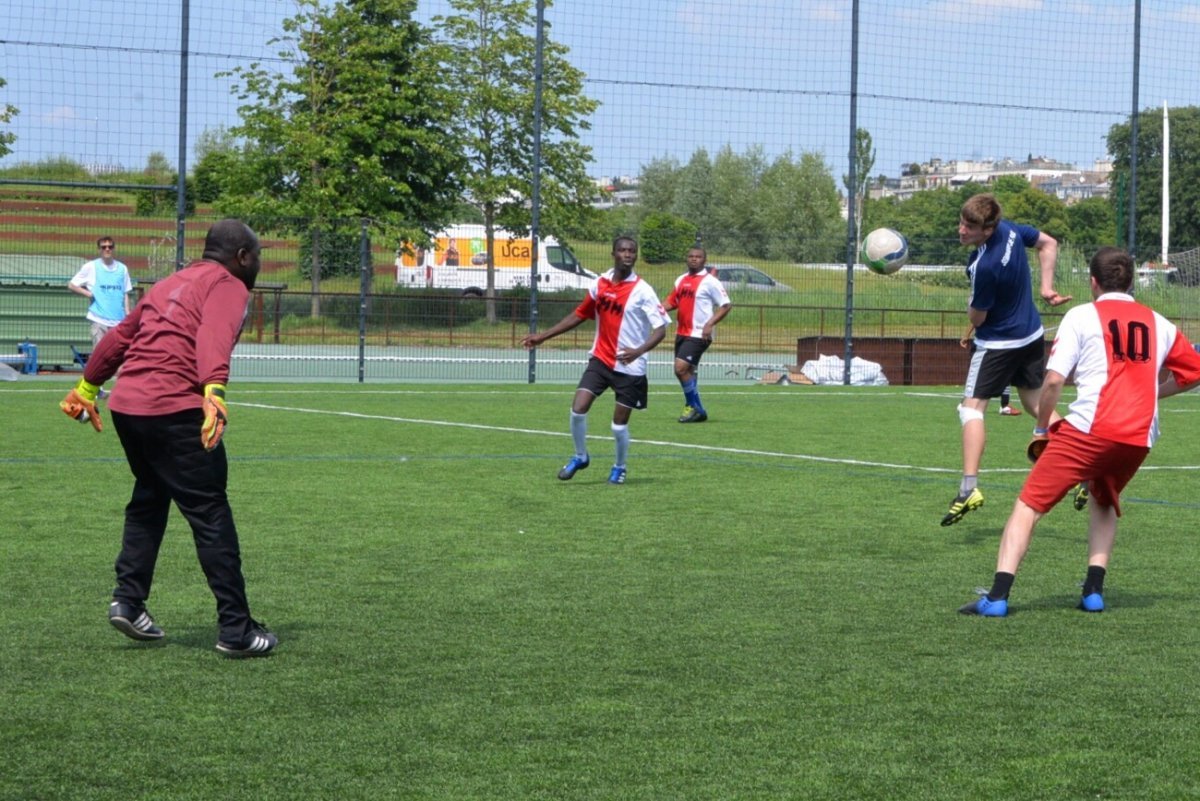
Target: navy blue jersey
x,y
1001,285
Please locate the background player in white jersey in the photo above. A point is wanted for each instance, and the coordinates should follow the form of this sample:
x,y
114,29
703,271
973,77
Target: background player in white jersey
x,y
630,322
106,283
1117,349
702,302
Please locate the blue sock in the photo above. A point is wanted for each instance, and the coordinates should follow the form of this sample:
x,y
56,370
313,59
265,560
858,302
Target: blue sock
x,y
691,394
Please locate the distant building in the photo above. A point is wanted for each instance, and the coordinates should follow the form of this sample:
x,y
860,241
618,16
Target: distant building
x,y
1062,180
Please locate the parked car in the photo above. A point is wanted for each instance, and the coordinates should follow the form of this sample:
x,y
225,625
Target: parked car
x,y
743,276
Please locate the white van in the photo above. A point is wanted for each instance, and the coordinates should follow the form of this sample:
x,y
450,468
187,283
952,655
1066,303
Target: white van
x,y
458,260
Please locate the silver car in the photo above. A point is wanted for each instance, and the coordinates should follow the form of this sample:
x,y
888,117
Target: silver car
x,y
743,276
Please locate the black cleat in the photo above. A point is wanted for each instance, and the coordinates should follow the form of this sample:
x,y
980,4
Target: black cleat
x,y
134,623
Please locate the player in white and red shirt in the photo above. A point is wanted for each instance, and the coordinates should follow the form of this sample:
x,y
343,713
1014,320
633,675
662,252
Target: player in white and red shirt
x,y
630,322
702,302
1117,349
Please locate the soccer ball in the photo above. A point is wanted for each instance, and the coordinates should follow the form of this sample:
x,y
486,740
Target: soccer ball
x,y
885,251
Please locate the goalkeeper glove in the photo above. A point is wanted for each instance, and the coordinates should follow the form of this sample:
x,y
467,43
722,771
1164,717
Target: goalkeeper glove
x,y
1041,438
215,416
80,404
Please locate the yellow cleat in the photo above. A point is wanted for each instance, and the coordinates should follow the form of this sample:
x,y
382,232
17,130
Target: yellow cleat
x,y
961,505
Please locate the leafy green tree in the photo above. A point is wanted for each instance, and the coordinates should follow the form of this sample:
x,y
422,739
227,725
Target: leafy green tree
x,y
736,226
1093,223
1024,203
216,155
1185,177
360,126
665,237
491,61
7,112
694,199
797,207
864,162
928,219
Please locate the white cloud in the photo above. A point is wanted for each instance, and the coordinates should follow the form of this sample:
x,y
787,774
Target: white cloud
x,y
61,116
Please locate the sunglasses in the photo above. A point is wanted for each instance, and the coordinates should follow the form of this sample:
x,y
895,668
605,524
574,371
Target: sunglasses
x,y
107,247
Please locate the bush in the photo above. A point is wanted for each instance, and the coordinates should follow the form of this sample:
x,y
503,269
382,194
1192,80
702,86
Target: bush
x,y
665,237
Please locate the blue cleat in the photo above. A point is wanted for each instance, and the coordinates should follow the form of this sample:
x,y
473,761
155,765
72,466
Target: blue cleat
x,y
617,476
1092,602
985,607
572,467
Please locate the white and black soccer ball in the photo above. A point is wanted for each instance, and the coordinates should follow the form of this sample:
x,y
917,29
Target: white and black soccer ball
x,y
885,251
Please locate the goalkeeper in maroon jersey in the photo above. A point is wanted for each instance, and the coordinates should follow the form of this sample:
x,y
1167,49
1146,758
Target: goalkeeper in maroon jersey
x,y
169,411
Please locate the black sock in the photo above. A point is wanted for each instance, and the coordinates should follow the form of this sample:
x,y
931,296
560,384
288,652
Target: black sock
x,y
1094,581
1001,585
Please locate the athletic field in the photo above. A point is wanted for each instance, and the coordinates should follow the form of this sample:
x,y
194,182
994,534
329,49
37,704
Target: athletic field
x,y
766,610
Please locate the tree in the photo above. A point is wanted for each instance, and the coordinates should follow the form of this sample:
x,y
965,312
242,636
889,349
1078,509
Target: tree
x,y
361,126
216,155
928,219
736,225
491,62
798,208
864,162
664,237
7,112
1093,223
1185,177
694,199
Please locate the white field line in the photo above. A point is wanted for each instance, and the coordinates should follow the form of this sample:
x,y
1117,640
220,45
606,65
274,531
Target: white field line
x,y
660,443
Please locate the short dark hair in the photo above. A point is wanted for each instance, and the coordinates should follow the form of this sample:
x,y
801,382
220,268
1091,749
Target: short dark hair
x,y
104,239
1112,268
623,238
226,238
982,210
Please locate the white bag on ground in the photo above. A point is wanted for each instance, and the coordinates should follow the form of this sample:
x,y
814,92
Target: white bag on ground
x,y
832,369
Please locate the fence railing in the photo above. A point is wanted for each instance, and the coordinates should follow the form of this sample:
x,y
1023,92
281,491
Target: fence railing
x,y
447,336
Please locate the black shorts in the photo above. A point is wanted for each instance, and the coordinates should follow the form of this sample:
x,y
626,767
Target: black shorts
x,y
993,371
631,390
690,349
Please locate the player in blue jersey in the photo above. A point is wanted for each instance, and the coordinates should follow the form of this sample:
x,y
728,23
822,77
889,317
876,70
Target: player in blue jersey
x,y
1009,346
106,283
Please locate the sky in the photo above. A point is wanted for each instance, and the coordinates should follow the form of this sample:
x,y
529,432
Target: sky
x,y
98,81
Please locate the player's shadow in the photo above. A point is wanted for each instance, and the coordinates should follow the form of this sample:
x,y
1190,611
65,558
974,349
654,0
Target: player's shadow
x,y
204,637
1113,602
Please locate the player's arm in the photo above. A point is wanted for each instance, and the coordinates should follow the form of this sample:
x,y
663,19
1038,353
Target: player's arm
x,y
1052,387
976,316
1047,253
80,290
967,336
572,320
656,336
717,317
221,319
1183,364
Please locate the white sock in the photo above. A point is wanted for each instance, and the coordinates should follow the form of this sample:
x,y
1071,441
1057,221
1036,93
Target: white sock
x,y
579,434
621,435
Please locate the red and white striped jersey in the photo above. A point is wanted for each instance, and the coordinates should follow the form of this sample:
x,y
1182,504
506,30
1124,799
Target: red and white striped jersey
x,y
697,296
625,313
1117,348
